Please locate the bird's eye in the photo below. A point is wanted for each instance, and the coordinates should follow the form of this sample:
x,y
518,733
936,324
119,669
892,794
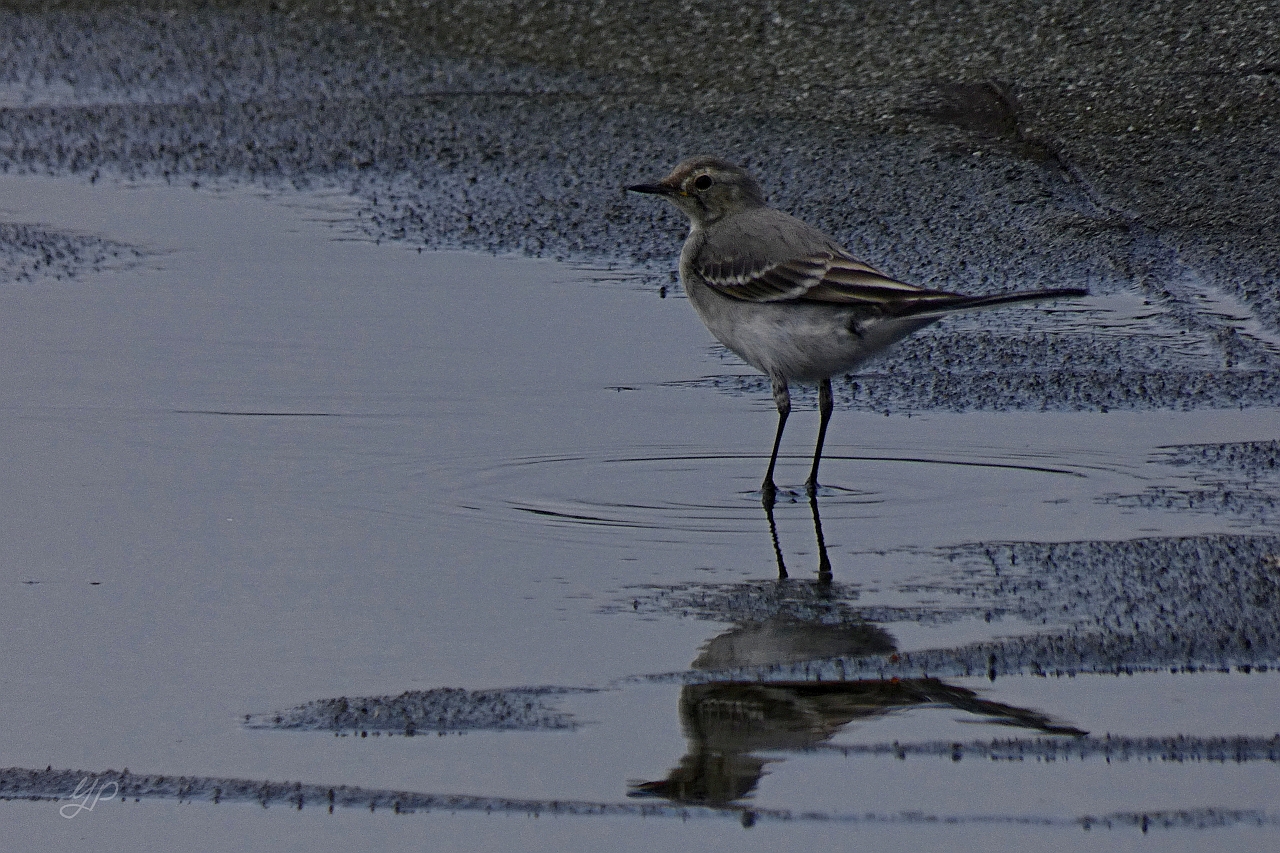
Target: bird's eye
x,y
702,182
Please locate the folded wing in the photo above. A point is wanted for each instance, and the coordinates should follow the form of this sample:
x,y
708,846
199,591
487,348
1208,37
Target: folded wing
x,y
824,277
787,260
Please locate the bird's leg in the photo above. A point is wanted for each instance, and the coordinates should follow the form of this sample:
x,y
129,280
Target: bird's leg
x,y
782,399
825,403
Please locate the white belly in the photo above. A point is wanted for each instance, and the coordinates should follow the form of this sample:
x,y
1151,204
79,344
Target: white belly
x,y
804,341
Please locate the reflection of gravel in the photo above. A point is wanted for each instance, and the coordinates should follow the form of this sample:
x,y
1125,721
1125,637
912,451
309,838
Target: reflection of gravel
x,y
29,253
414,712
1240,480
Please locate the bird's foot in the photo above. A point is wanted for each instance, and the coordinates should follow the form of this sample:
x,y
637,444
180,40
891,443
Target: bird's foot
x,y
768,494
783,494
811,487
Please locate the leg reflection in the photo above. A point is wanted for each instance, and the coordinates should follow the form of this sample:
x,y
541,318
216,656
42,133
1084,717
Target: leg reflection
x,y
824,562
773,533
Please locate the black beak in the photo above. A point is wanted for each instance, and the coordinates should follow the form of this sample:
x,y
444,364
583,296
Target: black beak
x,y
652,189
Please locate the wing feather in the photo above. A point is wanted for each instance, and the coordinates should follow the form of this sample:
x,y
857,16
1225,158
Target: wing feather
x,y
824,277
765,255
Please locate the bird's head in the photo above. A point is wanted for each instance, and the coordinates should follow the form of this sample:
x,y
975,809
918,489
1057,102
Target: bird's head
x,y
707,189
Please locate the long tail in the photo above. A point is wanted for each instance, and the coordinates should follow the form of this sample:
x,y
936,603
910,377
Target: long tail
x,y
941,307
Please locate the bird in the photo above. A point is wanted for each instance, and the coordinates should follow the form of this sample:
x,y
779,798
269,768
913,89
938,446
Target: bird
x,y
790,300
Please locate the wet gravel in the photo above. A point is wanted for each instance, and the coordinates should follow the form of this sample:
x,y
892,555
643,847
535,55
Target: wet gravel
x,y
895,385
31,253
1238,481
1163,118
17,783
421,711
930,152
1179,750
1184,604
762,602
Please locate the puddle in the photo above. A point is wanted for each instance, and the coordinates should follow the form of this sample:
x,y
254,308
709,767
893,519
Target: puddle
x,y
312,534
423,711
271,484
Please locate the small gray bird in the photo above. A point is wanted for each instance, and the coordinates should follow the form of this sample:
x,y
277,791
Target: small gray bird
x,y
788,299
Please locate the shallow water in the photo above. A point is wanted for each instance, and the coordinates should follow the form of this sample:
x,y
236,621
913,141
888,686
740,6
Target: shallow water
x,y
258,462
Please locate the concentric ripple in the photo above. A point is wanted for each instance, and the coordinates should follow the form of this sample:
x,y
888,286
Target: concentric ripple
x,y
665,492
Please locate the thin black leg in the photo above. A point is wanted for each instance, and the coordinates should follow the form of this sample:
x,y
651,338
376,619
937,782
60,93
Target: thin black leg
x,y
825,404
782,399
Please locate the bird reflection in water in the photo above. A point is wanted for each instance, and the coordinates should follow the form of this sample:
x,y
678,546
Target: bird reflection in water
x,y
728,724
